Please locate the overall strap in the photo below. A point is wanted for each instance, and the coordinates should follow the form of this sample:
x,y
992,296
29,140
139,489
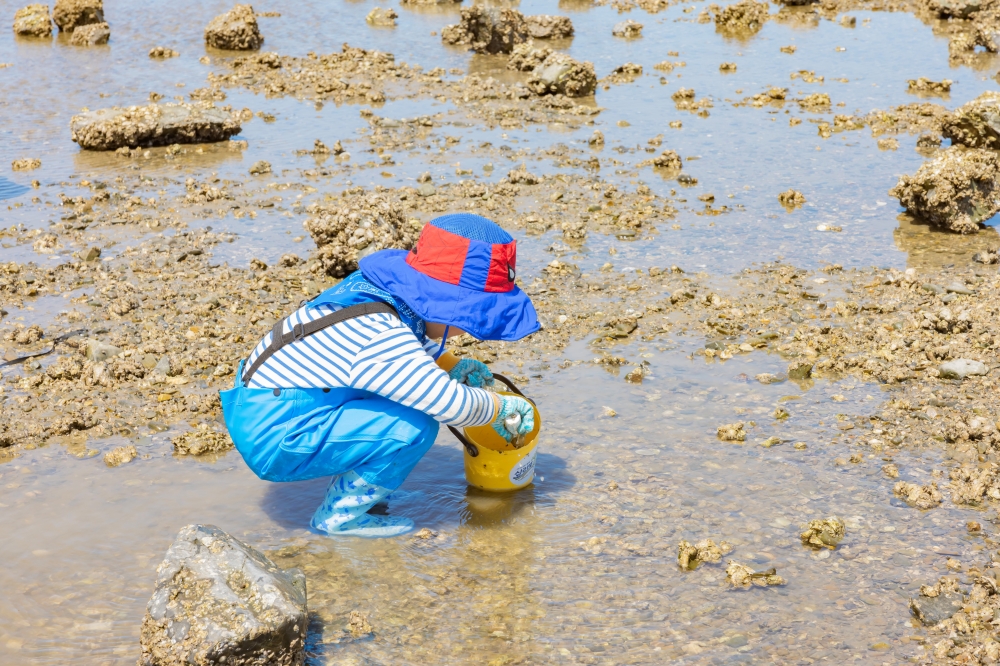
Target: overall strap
x,y
279,339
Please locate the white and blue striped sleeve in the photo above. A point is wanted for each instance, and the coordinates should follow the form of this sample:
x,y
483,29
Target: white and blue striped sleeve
x,y
394,365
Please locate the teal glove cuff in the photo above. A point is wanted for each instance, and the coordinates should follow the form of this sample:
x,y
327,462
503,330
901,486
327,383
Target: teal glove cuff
x,y
472,372
515,418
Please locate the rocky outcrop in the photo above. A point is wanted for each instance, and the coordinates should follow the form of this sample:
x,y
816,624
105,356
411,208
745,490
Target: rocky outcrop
x,y
547,26
487,30
92,34
561,75
352,229
219,601
236,30
33,21
71,14
956,190
153,125
975,124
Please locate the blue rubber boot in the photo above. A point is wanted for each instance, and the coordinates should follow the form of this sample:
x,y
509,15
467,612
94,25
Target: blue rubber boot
x,y
344,511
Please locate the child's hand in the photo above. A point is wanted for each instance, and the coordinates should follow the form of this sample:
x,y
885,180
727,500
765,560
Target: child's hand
x,y
472,372
515,418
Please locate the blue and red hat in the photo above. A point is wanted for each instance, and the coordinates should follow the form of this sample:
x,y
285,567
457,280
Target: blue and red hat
x,y
461,273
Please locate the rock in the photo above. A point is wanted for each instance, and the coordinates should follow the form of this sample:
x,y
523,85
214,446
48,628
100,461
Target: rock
x,y
956,190
358,625
627,29
975,124
219,601
931,610
925,86
489,31
961,368
426,190
526,58
891,471
164,367
33,21
71,14
162,53
98,351
791,199
800,370
521,176
990,256
732,432
546,26
382,17
561,75
958,288
120,455
26,164
959,9
689,557
260,168
596,139
93,253
357,226
236,30
740,575
153,125
201,441
92,34
743,17
920,497
823,533
668,159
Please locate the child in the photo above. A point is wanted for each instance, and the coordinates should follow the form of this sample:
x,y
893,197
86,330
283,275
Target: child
x,y
347,386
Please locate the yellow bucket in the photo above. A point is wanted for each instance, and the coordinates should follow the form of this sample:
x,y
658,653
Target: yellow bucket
x,y
491,462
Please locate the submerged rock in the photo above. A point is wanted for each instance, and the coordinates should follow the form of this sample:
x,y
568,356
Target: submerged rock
x,y
732,432
561,75
791,199
120,455
825,533
920,497
382,17
153,125
487,30
236,30
961,368
628,29
71,14
706,550
201,441
956,190
219,601
546,26
925,86
92,34
33,21
351,229
937,602
162,53
975,124
740,575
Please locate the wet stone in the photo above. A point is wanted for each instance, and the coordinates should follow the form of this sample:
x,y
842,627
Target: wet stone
x,y
791,199
732,432
218,600
69,15
975,124
800,370
546,26
741,576
931,610
379,16
487,30
690,556
627,29
561,75
162,53
120,455
154,125
93,34
825,533
33,21
203,440
920,497
236,30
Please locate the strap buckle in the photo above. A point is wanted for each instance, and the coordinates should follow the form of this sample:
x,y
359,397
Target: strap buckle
x,y
298,332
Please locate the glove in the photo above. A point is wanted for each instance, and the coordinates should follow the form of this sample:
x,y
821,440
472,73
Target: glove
x,y
472,372
515,418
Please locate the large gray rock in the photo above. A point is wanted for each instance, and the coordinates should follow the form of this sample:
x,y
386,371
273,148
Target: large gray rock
x,y
153,125
236,30
931,610
219,601
71,14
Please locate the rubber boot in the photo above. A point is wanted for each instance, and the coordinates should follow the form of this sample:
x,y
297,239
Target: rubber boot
x,y
344,511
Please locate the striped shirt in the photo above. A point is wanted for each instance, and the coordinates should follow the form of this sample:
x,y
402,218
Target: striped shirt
x,y
376,353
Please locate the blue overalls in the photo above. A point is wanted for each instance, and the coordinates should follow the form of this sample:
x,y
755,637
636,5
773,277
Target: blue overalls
x,y
298,434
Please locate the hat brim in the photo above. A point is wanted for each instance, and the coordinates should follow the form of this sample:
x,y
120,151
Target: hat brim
x,y
485,315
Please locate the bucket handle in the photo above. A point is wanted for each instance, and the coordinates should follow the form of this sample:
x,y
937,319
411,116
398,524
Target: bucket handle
x,y
469,446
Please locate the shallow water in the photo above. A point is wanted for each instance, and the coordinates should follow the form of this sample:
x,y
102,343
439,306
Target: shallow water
x,y
516,576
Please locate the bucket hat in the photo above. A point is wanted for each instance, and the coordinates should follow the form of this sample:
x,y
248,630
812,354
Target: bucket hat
x,y
460,273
